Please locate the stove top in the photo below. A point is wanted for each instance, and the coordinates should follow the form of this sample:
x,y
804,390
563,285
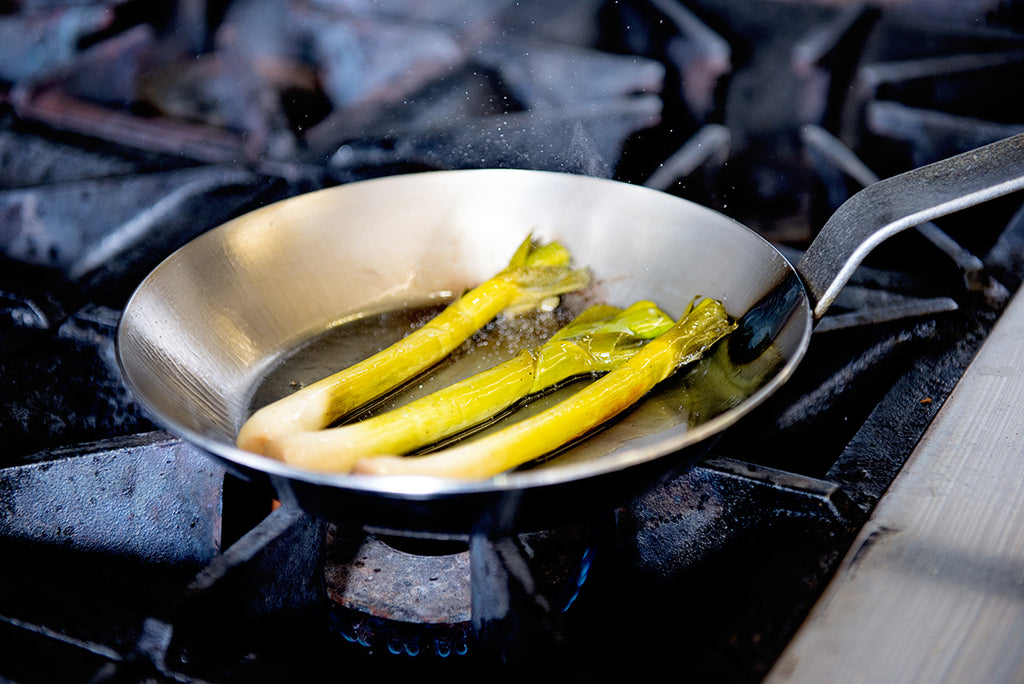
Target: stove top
x,y
125,132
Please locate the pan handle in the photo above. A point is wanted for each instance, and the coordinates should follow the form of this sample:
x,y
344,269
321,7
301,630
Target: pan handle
x,y
887,207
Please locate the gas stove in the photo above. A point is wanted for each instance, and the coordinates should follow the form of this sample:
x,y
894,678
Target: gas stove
x,y
127,130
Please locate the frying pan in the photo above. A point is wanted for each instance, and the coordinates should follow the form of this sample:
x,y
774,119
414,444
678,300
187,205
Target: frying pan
x,y
205,330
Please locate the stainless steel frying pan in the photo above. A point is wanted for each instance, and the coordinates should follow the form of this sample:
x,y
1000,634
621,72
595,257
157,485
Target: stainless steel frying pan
x,y
207,327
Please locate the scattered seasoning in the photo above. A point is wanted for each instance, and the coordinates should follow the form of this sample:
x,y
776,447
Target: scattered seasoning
x,y
926,400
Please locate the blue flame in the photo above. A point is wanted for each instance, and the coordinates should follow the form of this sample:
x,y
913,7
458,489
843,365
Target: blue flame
x,y
585,564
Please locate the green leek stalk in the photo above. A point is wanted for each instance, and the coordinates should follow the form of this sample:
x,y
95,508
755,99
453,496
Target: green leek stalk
x,y
574,417
597,341
535,274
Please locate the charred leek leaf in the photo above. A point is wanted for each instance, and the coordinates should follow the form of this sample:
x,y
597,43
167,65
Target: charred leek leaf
x,y
535,274
597,341
573,418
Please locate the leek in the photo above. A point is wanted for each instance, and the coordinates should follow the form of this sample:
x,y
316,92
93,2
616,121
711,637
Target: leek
x,y
535,274
573,418
597,341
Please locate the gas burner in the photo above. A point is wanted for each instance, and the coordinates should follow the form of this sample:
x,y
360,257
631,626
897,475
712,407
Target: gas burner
x,y
415,596
408,596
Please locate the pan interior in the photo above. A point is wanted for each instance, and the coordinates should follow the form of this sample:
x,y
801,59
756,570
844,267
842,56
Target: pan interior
x,y
287,293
